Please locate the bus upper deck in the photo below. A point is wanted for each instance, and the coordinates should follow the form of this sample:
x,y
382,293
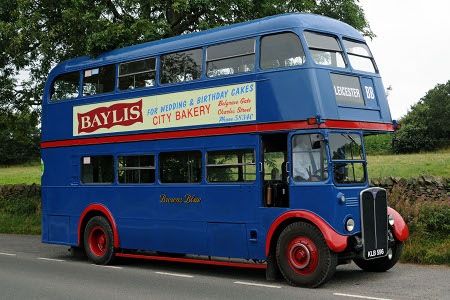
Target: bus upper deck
x,y
276,72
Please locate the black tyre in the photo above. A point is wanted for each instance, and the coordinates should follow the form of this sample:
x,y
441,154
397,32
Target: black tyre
x,y
99,241
77,252
381,264
303,256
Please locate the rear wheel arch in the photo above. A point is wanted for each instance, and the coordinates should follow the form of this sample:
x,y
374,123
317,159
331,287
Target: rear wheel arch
x,y
92,211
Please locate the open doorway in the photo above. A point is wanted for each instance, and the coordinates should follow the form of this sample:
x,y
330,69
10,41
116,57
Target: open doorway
x,y
274,151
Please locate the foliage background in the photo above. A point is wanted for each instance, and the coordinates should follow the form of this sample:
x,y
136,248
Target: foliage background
x,y
37,34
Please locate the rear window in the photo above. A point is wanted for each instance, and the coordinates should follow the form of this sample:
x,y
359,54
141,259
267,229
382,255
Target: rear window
x,y
97,169
99,80
325,49
66,86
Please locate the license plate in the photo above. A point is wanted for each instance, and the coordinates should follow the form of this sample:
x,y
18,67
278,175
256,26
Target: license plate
x,y
370,254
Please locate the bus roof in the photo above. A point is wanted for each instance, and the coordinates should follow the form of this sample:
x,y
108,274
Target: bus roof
x,y
216,35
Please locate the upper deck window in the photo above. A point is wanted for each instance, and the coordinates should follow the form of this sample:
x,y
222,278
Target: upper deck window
x,y
325,49
181,66
137,74
99,80
66,86
230,58
359,55
281,50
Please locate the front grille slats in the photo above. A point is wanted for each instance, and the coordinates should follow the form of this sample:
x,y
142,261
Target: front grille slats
x,y
352,201
374,222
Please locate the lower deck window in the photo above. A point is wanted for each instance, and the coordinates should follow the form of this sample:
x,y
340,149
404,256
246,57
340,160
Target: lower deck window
x,y
136,169
180,167
231,166
97,169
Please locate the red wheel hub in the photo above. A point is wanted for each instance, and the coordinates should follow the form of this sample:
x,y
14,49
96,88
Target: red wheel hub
x,y
302,255
98,241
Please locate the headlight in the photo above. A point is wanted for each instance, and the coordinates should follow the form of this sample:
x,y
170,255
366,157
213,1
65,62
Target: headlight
x,y
391,220
350,225
341,198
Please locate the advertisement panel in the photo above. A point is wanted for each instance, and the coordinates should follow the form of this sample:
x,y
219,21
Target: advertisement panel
x,y
218,105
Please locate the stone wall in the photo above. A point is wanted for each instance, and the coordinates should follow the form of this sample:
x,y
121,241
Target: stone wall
x,y
422,188
20,191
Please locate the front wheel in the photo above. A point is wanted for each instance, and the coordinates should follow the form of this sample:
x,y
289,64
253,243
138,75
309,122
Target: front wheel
x,y
303,256
381,264
98,241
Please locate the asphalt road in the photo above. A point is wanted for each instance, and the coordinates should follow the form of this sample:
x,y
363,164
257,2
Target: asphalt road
x,y
31,270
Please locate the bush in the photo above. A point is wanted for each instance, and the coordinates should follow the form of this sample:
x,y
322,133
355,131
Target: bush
x,y
21,206
413,138
380,144
434,219
427,125
19,137
20,213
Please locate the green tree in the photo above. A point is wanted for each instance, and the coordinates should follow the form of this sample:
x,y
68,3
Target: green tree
x,y
19,137
37,34
427,125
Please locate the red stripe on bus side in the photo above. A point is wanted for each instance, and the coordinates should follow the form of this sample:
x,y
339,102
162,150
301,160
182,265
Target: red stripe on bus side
x,y
238,129
194,261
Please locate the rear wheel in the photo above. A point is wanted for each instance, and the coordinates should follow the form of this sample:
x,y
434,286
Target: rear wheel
x,y
98,241
77,253
303,256
381,264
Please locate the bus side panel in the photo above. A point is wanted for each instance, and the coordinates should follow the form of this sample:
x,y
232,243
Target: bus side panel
x,y
227,240
145,222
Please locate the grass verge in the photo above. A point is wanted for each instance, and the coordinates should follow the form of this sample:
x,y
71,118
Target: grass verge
x,y
21,174
426,249
410,165
20,224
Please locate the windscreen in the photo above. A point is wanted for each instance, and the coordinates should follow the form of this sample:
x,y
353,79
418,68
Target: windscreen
x,y
325,49
348,158
359,55
309,158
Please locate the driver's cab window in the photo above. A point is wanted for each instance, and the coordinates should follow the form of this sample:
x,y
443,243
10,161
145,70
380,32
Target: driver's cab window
x,y
309,158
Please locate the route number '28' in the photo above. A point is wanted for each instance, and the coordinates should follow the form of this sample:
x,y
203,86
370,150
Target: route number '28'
x,y
369,92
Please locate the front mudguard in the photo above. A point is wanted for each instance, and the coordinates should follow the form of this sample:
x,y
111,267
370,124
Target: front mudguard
x,y
400,229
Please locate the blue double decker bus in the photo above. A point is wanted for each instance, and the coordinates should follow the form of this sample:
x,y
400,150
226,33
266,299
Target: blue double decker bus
x,y
238,146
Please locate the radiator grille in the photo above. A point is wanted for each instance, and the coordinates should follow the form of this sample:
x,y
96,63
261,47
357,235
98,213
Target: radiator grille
x,y
374,222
